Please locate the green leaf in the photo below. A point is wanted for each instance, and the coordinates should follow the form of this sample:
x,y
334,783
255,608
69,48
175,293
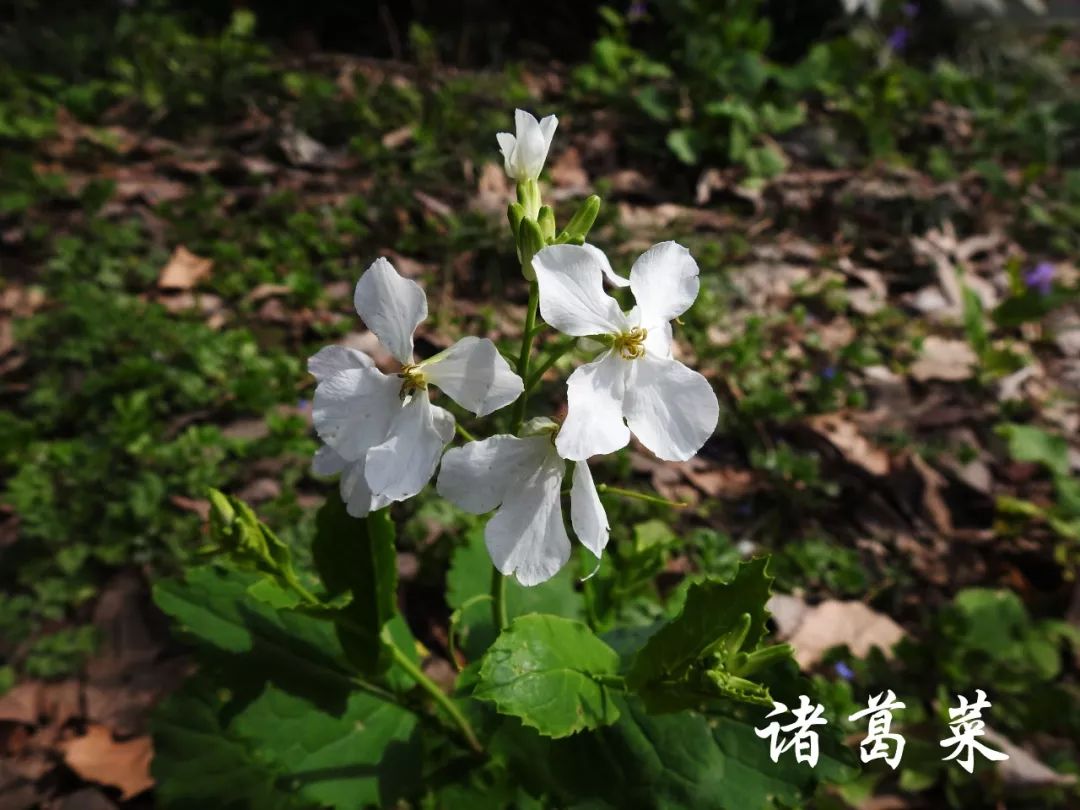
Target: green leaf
x,y
366,756
279,751
252,644
709,649
667,761
249,545
1031,305
1027,443
685,145
552,673
279,699
468,582
356,557
198,763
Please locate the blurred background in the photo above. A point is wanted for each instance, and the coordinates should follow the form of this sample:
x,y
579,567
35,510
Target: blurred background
x,y
884,199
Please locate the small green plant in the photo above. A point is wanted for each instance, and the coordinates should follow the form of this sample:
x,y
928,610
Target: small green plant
x,y
552,676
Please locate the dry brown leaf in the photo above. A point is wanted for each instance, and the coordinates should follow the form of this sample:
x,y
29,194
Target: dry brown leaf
x,y
844,435
97,757
300,149
813,630
200,506
22,703
433,204
397,138
944,359
7,336
261,291
259,490
629,181
567,172
932,499
493,189
184,270
1021,769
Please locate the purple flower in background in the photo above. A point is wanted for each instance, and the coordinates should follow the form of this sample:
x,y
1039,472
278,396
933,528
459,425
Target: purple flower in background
x,y
1040,278
844,671
828,373
910,10
637,10
898,39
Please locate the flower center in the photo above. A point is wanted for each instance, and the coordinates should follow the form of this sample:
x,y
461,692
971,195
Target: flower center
x,y
412,380
631,345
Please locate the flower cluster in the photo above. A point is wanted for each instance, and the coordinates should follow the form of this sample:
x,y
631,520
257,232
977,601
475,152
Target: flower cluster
x,y
386,438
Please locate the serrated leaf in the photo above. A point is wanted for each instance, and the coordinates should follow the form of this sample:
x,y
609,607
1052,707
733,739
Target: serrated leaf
x,y
552,673
357,557
280,752
364,757
706,651
250,642
198,763
469,577
668,762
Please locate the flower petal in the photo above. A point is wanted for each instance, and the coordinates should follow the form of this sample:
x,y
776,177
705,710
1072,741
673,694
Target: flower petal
x,y
401,466
613,278
356,493
665,283
572,297
391,306
506,146
474,375
594,419
327,461
475,477
352,409
530,147
332,359
526,537
587,514
547,128
670,408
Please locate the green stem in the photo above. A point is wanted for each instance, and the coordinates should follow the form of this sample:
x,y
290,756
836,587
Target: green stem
x,y
464,433
553,357
498,599
455,619
437,694
413,671
525,355
498,581
641,496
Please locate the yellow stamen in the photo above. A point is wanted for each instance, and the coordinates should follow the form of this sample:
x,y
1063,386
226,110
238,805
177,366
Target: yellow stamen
x,y
412,380
631,345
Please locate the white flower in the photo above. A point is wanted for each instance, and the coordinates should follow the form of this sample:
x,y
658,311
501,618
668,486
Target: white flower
x,y
525,152
636,382
381,431
871,7
522,478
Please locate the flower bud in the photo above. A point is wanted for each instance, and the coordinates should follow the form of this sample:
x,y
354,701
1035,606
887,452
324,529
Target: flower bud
x,y
577,229
530,242
528,194
515,213
546,220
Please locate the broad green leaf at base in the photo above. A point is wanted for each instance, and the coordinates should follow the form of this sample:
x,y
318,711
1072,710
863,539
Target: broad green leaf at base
x,y
552,674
